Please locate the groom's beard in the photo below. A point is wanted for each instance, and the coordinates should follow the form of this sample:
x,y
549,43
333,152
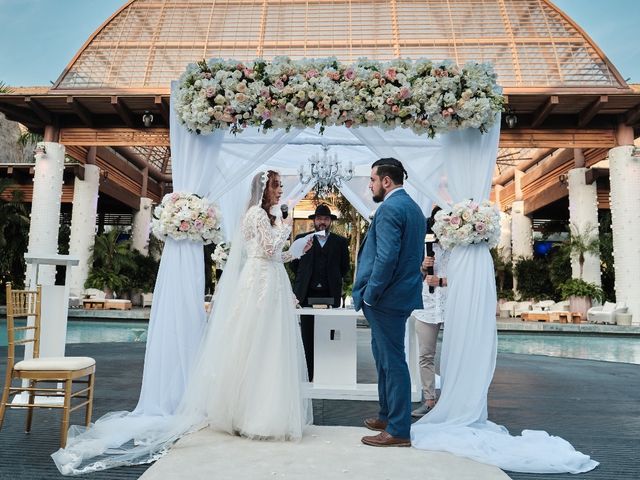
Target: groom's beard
x,y
378,196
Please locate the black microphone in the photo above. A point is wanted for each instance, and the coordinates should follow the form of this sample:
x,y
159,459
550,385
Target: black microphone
x,y
428,243
284,208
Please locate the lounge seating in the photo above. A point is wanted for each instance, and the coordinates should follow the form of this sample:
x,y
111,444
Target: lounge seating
x,y
606,313
117,304
147,298
506,309
521,307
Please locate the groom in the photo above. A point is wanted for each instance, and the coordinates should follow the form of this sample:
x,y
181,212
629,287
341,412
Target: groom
x,y
388,288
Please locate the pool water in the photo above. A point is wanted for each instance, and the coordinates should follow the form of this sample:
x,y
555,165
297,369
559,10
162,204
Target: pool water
x,y
588,347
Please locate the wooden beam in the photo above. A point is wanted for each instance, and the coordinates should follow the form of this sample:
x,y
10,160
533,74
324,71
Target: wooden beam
x,y
540,115
80,110
586,115
42,113
551,193
115,137
557,138
112,189
17,114
162,108
123,111
633,116
593,174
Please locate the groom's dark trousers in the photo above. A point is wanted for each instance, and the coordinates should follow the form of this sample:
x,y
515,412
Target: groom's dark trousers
x,y
387,345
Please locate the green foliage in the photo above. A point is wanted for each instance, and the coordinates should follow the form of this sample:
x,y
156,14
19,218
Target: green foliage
x,y
14,237
533,278
503,271
141,273
507,295
576,287
29,138
559,265
607,269
109,258
4,88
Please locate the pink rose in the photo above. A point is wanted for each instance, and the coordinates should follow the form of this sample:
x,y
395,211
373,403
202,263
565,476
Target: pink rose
x,y
391,74
404,93
349,74
198,224
480,227
279,84
311,73
395,109
210,92
376,75
266,115
184,226
247,72
454,220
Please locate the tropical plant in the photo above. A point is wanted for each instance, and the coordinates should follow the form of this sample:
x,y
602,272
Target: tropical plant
x,y
29,138
14,235
503,270
141,273
576,287
583,242
532,275
109,258
4,88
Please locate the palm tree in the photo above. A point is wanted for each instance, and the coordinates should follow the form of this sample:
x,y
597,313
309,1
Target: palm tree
x,y
4,88
583,242
109,257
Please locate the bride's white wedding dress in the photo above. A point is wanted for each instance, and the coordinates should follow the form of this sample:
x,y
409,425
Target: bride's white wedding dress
x,y
258,392
249,372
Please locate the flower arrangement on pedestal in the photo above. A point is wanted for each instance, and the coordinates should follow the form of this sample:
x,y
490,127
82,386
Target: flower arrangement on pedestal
x,y
467,223
425,96
186,216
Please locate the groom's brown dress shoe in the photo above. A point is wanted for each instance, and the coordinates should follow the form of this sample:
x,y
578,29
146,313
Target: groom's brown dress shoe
x,y
385,439
375,424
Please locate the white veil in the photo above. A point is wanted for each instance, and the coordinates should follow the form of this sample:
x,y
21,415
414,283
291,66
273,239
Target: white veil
x,y
121,438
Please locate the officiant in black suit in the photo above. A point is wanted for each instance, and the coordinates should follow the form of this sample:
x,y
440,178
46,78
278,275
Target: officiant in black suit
x,y
320,273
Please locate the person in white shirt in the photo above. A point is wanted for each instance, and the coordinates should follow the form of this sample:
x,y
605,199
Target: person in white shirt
x,y
428,321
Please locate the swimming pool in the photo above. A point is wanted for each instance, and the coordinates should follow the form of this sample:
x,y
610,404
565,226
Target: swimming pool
x,y
588,347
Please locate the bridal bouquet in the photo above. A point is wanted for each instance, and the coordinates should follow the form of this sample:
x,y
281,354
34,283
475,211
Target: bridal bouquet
x,y
220,255
468,222
425,96
186,216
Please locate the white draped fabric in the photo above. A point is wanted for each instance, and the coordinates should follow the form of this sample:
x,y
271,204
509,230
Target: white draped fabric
x,y
458,423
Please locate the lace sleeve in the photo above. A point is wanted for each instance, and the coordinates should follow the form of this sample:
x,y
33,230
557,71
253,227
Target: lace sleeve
x,y
271,238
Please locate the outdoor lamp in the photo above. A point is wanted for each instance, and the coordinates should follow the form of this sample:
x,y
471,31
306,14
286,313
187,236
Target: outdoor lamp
x,y
147,118
511,119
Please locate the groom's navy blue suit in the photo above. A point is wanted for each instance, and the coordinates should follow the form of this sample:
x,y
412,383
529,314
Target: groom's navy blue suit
x,y
388,287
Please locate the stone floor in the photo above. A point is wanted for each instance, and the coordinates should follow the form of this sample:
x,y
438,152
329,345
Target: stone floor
x,y
594,405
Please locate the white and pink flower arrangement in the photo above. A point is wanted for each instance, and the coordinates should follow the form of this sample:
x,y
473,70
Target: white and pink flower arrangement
x,y
220,255
467,223
186,216
425,96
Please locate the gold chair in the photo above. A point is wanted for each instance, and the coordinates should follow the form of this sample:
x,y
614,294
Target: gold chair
x,y
65,370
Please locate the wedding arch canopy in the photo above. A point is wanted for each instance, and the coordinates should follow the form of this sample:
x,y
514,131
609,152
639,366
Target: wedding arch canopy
x,y
454,166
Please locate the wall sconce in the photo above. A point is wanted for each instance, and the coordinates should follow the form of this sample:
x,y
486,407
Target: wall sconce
x,y
563,178
510,118
147,118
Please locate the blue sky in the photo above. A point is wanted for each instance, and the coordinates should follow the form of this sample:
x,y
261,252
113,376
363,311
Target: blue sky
x,y
38,38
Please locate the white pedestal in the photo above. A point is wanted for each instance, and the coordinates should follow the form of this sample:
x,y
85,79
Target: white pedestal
x,y
54,307
336,356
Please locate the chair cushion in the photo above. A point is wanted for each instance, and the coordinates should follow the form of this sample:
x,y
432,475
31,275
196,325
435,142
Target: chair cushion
x,y
608,307
55,363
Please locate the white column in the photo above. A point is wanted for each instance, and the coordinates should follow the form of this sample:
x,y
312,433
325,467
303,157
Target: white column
x,y
504,244
83,225
142,227
45,208
521,232
624,175
583,216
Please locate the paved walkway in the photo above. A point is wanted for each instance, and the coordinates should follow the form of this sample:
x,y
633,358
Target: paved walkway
x,y
594,405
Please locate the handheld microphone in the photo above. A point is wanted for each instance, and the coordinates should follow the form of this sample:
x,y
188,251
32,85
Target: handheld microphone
x,y
284,208
428,243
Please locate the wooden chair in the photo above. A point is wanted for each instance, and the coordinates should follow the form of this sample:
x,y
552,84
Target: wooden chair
x,y
65,370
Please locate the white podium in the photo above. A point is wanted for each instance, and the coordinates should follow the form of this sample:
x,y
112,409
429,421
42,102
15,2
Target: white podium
x,y
336,356
55,305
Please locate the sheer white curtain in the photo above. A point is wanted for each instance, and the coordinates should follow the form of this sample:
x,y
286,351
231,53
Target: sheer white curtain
x,y
458,423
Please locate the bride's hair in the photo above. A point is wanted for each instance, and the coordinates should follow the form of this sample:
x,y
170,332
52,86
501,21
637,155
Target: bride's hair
x,y
268,201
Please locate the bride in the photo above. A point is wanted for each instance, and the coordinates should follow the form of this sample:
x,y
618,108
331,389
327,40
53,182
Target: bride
x,y
249,373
